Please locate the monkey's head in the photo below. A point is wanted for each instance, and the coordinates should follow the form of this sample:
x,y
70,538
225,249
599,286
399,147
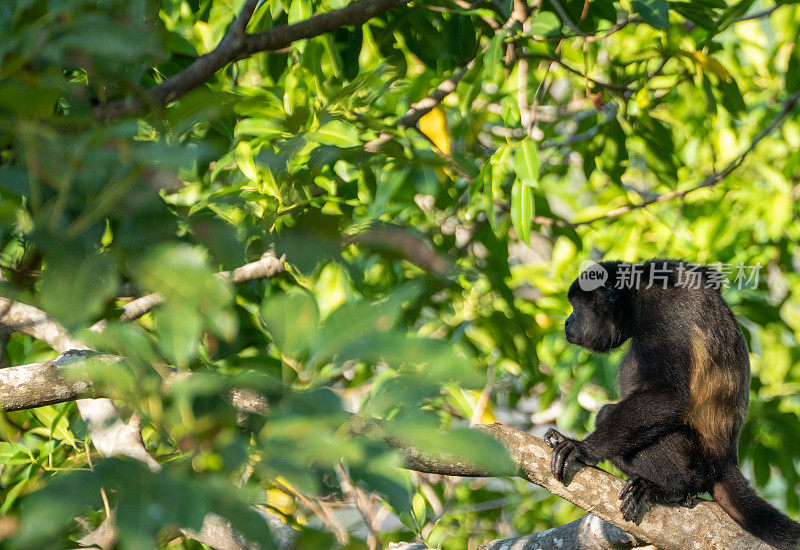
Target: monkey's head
x,y
601,314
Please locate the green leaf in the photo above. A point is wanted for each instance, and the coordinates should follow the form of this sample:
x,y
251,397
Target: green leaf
x,y
348,41
729,16
260,127
654,12
732,98
461,41
299,10
244,159
75,288
526,163
494,56
53,418
793,68
179,329
337,133
522,210
545,23
292,320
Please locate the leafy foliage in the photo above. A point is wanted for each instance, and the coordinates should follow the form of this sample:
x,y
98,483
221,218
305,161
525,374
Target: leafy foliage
x,y
425,280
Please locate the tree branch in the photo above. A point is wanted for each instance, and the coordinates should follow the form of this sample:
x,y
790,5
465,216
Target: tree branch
x,y
266,267
709,181
588,532
48,382
237,45
678,528
19,317
590,488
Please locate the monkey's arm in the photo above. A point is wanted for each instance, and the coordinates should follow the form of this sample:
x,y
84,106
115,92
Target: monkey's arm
x,y
633,423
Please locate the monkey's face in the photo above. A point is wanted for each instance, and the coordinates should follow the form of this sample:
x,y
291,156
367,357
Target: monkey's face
x,y
597,320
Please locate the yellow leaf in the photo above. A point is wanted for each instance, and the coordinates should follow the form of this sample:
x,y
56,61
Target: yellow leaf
x,y
543,320
434,126
281,501
487,415
710,64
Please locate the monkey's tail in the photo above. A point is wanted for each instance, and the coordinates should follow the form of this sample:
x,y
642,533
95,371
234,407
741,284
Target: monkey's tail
x,y
734,494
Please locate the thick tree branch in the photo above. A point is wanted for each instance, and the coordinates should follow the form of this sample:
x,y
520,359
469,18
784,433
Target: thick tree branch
x,y
585,533
237,45
678,528
19,317
46,383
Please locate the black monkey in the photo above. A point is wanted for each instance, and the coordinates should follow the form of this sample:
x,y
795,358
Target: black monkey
x,y
683,391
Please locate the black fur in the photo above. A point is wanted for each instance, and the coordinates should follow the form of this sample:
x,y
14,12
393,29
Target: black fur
x,y
683,395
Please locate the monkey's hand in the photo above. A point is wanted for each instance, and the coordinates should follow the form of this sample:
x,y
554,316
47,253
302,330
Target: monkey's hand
x,y
566,452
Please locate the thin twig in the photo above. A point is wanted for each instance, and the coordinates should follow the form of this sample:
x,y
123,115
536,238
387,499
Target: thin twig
x,y
759,14
565,18
709,181
266,267
608,85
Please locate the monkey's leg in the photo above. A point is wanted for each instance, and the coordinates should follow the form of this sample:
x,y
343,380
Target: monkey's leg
x,y
662,473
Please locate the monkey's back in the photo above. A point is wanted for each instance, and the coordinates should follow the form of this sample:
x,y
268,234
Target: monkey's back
x,y
687,335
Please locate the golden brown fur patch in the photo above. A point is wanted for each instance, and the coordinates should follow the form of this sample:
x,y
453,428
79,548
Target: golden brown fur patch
x,y
712,397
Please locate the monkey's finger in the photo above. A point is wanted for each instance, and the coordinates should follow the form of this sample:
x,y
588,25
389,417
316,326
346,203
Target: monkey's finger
x,y
639,493
570,460
629,508
553,437
625,508
630,484
559,456
626,488
554,464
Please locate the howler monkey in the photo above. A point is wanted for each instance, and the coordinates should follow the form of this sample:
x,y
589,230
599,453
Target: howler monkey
x,y
683,391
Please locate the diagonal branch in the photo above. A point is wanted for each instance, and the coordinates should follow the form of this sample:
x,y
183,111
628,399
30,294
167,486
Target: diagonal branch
x,y
237,45
19,317
670,528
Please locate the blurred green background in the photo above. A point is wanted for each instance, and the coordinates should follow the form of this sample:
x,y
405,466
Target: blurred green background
x,y
425,282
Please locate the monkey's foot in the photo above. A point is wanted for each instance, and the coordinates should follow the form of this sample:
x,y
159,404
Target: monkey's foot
x,y
635,496
566,452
